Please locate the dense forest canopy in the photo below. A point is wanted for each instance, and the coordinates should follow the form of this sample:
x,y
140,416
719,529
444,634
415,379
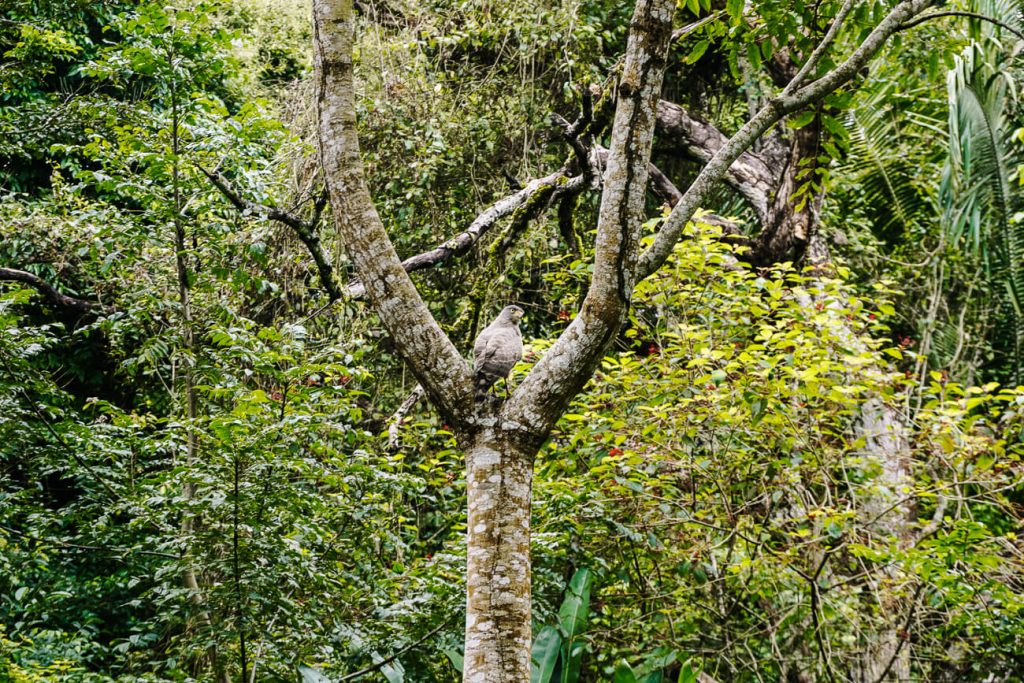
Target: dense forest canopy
x,y
794,456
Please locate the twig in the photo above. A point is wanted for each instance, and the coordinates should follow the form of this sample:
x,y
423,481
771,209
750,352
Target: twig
x,y
958,13
815,599
906,629
306,231
387,660
60,439
819,50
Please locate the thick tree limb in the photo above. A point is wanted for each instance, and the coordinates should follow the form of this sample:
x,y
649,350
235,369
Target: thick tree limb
x,y
790,223
542,397
665,190
749,174
420,341
773,111
305,230
50,293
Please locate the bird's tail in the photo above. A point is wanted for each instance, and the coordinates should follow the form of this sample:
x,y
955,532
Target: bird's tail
x,y
483,381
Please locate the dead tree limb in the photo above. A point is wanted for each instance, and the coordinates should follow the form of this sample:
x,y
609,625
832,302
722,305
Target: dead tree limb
x,y
305,230
750,174
665,190
773,111
537,192
51,294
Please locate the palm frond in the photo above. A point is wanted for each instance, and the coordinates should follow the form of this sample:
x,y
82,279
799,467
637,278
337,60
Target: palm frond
x,y
976,195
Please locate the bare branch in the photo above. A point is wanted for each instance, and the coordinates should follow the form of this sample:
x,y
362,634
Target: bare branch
x,y
525,204
750,174
555,185
969,15
684,31
306,231
387,660
50,293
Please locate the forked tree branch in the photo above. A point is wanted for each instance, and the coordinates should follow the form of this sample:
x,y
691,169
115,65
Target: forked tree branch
x,y
664,189
555,185
750,174
526,200
812,62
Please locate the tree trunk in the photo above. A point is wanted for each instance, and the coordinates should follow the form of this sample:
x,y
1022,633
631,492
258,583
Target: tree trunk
x,y
884,512
498,624
794,213
886,657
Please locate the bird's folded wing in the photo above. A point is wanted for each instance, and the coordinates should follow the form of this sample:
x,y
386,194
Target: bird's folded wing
x,y
485,349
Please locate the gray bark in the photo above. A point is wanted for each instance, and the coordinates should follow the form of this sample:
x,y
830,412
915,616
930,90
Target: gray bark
x,y
501,440
420,341
750,174
543,396
500,461
499,475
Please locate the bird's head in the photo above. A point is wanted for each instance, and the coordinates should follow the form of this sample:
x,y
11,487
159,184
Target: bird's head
x,y
513,314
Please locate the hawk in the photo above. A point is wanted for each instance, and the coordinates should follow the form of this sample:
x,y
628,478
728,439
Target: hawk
x,y
498,348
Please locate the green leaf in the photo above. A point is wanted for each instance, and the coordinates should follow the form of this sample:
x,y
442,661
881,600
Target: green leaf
x,y
754,55
624,673
735,10
455,657
687,674
756,411
572,659
572,616
697,52
394,672
802,119
544,655
311,675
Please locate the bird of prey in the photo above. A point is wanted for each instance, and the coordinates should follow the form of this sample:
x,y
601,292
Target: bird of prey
x,y
498,348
